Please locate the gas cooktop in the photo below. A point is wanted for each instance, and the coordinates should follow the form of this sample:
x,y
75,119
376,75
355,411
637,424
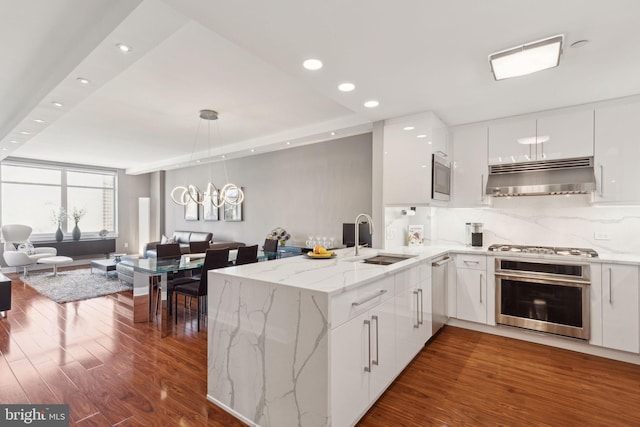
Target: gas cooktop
x,y
545,250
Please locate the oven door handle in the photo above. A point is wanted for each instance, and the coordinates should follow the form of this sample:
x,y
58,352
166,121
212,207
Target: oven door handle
x,y
544,280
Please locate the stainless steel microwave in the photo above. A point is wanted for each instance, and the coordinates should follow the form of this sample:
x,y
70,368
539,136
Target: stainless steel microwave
x,y
440,178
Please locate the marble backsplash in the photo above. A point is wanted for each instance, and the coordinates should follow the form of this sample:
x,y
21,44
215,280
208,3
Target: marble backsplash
x,y
544,221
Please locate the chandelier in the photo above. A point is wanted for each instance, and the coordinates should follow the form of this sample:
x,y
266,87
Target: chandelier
x,y
230,193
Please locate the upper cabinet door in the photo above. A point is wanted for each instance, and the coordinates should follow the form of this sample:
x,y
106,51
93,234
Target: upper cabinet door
x,y
469,166
510,141
617,152
565,135
409,143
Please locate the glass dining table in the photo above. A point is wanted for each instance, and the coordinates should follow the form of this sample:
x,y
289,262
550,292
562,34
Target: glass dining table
x,y
151,272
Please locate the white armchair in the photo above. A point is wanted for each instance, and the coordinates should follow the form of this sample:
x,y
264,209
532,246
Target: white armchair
x,y
14,235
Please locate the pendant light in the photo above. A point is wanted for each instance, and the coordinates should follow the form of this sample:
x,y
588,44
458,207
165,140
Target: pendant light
x,y
230,194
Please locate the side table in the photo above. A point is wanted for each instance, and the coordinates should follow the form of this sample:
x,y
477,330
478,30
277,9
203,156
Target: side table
x,y
5,294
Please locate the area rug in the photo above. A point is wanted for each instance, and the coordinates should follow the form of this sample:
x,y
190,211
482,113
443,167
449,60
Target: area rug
x,y
75,285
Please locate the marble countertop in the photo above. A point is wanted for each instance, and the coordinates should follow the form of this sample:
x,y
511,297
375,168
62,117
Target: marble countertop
x,y
345,271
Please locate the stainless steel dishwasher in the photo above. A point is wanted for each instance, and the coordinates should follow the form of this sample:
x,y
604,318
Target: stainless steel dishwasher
x,y
439,278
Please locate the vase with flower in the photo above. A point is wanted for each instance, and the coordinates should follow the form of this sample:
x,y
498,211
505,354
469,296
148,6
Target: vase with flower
x,y
58,217
77,215
279,234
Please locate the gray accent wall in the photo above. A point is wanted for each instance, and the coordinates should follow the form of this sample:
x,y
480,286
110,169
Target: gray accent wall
x,y
130,188
307,190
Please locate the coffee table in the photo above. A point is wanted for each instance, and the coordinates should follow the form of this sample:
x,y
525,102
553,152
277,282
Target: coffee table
x,y
105,265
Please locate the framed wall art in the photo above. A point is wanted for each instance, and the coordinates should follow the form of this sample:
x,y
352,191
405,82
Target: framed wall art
x,y
210,211
191,210
232,212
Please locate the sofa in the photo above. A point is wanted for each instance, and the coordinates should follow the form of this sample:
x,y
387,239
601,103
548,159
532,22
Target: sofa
x,y
184,237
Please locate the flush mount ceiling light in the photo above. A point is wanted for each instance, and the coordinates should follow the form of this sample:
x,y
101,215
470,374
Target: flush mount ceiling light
x,y
526,59
57,104
530,140
371,104
230,194
312,64
83,80
408,128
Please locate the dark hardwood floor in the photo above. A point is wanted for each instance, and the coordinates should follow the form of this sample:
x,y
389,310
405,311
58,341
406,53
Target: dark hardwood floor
x,y
112,371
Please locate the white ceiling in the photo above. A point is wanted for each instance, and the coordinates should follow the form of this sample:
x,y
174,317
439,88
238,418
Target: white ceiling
x,y
243,59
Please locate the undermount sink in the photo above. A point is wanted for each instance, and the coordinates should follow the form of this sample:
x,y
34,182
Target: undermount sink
x,y
384,259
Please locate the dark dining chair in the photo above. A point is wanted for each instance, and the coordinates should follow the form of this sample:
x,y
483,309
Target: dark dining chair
x,y
198,247
168,251
270,248
214,258
247,255
171,252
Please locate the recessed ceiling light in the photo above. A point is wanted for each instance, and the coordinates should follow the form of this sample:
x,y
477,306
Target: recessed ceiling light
x,y
333,133
38,120
13,141
253,150
24,132
123,47
288,142
422,135
312,64
409,128
371,104
198,161
83,80
429,142
223,156
579,43
346,87
423,166
57,104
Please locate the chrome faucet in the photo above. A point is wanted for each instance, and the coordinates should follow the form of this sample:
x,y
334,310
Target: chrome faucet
x,y
357,230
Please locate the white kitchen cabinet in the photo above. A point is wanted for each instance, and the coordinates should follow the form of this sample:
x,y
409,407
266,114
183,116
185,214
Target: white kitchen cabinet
x,y
362,361
560,134
471,288
620,307
469,166
503,141
617,152
569,133
409,143
413,313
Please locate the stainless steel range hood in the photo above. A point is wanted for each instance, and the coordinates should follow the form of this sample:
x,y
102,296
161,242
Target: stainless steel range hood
x,y
564,176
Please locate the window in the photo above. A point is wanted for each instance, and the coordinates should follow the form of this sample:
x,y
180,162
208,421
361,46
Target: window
x,y
32,193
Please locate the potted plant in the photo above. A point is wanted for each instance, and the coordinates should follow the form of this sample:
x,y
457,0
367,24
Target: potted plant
x,y
58,216
77,214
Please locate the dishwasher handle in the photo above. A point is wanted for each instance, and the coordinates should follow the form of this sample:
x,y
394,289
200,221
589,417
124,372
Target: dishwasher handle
x,y
443,261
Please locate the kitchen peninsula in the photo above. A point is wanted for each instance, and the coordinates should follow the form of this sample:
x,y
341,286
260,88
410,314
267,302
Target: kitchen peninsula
x,y
280,352
315,342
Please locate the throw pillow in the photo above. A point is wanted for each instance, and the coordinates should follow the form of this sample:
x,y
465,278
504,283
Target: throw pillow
x,y
165,240
27,248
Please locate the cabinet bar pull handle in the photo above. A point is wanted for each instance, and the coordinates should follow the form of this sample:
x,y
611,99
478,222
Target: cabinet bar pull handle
x,y
610,286
368,367
442,262
369,298
375,362
481,187
417,324
601,180
471,262
481,289
421,312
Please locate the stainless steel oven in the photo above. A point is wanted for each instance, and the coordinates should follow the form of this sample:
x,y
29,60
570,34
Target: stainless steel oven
x,y
543,295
